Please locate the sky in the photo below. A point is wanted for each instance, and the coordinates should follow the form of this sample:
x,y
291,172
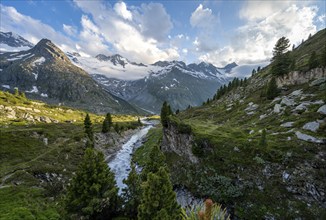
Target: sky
x,y
218,32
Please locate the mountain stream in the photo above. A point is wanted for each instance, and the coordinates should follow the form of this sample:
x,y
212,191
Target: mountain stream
x,y
120,165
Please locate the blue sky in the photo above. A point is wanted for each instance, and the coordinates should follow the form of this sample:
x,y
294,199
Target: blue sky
x,y
218,32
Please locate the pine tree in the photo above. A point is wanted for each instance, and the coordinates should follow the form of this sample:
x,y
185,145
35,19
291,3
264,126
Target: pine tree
x,y
281,58
313,61
92,192
177,111
258,69
132,194
157,160
16,91
22,94
139,122
107,123
272,90
164,114
323,57
117,128
280,47
263,141
89,127
158,198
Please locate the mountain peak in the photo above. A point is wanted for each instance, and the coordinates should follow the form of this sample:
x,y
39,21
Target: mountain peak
x,y
49,50
14,41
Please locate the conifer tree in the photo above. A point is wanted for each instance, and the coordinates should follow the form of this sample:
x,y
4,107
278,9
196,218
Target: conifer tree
x,y
117,128
157,160
165,111
313,61
263,141
281,58
158,198
132,194
107,123
22,94
323,57
89,128
177,111
92,192
16,91
272,90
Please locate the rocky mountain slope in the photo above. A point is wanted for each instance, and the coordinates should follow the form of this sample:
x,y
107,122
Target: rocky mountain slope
x,y
148,86
44,72
10,42
263,159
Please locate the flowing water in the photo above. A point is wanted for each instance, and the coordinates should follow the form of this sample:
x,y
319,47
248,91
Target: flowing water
x,y
120,165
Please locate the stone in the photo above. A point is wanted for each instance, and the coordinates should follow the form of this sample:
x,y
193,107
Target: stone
x,y
277,108
302,107
322,110
311,126
45,141
45,119
251,107
296,93
287,101
308,138
251,132
317,82
276,99
287,124
262,116
236,149
285,176
36,110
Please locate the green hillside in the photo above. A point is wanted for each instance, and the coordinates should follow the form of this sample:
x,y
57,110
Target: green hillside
x,y
278,174
41,147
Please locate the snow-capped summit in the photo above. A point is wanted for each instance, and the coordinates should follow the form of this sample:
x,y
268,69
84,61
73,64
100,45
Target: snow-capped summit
x,y
11,42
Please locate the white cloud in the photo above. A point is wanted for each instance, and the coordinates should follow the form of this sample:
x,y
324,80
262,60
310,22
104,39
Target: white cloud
x,y
202,17
31,29
70,30
121,9
138,39
207,24
255,40
154,21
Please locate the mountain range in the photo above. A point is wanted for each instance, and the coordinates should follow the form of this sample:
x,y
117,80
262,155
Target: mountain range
x,y
152,84
108,83
44,72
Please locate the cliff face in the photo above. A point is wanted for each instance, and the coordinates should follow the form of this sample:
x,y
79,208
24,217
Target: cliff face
x,y
174,141
298,77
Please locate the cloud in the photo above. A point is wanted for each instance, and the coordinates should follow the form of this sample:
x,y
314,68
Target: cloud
x,y
70,30
202,17
90,39
154,21
254,41
121,9
137,40
207,25
31,29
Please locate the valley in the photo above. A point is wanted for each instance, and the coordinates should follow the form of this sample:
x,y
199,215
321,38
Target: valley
x,y
162,110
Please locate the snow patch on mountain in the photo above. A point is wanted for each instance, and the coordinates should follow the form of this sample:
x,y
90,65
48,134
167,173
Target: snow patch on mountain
x,y
39,61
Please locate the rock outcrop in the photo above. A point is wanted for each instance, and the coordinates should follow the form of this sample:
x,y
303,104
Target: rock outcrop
x,y
174,141
299,77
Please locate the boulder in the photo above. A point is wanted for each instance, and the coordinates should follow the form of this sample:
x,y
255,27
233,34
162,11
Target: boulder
x,y
309,138
296,93
322,110
45,119
287,101
277,108
311,126
251,107
317,82
287,124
